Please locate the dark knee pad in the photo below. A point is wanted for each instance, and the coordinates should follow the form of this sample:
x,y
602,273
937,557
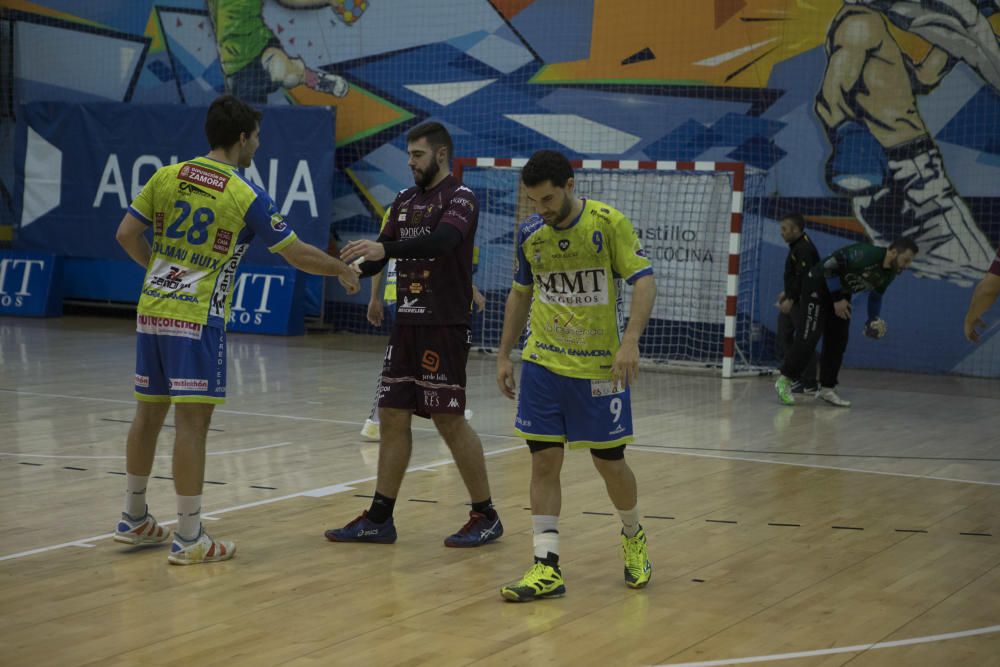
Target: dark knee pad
x,y
539,445
609,454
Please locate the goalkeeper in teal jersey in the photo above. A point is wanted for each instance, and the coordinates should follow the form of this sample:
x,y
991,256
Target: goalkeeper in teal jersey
x,y
825,310
570,261
203,214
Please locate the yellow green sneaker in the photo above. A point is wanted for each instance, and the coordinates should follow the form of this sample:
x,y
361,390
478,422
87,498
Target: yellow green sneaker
x,y
638,569
783,386
540,581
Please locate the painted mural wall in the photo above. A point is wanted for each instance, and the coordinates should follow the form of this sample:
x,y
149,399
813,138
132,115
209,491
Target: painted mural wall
x,y
872,118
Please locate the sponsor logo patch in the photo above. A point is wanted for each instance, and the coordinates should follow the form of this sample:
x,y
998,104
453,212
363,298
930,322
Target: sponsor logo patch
x,y
567,332
194,189
430,361
603,388
172,278
584,287
167,326
223,238
410,306
278,223
226,281
413,232
141,380
207,178
188,384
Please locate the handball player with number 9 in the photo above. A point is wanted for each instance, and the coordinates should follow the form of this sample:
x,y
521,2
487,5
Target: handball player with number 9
x,y
571,259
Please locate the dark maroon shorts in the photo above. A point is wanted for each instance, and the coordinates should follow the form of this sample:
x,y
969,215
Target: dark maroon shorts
x,y
424,369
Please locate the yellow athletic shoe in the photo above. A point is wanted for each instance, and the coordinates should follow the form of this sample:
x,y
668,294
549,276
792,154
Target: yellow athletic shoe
x,y
638,569
540,581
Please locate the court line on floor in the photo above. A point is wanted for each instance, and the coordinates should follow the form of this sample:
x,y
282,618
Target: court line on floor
x,y
159,456
221,410
827,454
841,649
660,449
319,492
667,450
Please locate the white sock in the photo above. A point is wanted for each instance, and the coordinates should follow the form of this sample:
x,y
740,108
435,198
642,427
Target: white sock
x,y
188,517
630,521
135,495
545,529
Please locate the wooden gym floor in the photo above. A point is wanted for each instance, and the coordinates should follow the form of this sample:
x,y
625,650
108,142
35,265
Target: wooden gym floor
x,y
799,536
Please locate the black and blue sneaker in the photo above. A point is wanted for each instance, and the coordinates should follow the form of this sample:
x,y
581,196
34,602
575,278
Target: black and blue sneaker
x,y
479,530
363,529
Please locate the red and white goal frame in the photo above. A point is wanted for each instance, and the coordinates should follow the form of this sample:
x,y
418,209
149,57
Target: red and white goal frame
x,y
738,172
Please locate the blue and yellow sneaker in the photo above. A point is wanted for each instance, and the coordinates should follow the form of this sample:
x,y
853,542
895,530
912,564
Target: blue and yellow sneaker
x,y
638,569
144,530
479,530
363,529
542,580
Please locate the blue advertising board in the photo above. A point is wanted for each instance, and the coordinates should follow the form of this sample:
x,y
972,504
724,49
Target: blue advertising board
x,y
78,166
30,283
268,300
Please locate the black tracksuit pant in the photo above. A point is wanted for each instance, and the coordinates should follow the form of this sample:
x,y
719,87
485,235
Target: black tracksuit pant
x,y
815,319
786,337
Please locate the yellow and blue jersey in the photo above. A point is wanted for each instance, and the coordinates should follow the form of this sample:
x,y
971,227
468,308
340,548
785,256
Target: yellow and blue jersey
x,y
574,276
204,215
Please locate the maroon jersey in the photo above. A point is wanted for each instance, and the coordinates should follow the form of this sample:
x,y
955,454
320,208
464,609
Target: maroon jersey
x,y
435,290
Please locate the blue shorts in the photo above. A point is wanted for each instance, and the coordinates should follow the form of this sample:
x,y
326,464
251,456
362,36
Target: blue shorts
x,y
179,362
581,413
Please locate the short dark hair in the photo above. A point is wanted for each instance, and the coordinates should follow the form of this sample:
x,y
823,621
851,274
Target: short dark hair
x,y
227,119
437,136
546,165
904,243
796,219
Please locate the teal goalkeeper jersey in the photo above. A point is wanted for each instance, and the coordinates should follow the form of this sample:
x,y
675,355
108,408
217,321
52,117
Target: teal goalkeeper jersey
x,y
204,215
574,276
857,268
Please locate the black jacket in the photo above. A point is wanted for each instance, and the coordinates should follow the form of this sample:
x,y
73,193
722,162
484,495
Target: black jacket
x,y
802,256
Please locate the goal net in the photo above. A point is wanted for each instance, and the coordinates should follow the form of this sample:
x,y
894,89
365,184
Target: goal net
x,y
692,222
